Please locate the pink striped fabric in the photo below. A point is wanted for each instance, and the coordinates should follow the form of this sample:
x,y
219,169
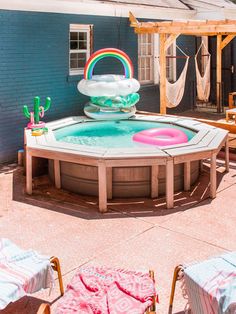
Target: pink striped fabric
x,y
21,272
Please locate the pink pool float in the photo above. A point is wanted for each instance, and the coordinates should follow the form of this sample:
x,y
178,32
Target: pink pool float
x,y
161,136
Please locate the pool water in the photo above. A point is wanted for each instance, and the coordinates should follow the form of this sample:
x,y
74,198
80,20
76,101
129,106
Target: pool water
x,y
110,134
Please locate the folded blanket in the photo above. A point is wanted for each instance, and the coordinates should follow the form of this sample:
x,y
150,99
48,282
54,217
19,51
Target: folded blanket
x,y
21,272
211,285
99,290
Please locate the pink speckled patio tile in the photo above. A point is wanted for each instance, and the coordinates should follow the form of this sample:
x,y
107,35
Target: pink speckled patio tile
x,y
212,221
134,234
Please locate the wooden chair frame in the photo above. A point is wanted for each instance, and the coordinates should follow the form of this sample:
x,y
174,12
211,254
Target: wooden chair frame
x,y
45,307
56,267
176,277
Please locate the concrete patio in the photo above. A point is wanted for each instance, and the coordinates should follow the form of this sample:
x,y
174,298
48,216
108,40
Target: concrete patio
x,y
137,234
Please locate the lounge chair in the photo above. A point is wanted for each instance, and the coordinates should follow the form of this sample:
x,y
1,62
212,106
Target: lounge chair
x,y
24,272
210,286
83,292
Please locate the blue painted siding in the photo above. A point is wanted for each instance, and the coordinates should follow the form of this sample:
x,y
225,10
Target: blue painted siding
x,y
34,54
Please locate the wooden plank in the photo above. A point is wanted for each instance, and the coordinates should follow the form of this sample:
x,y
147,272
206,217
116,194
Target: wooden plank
x,y
65,156
218,72
213,180
109,183
187,176
170,184
57,173
162,74
197,155
170,40
154,181
28,172
131,162
102,187
133,20
226,41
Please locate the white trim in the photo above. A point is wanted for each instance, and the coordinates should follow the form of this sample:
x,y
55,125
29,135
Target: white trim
x,y
90,7
85,29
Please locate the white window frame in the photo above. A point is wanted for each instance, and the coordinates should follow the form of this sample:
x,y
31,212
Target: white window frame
x,y
142,41
155,56
85,29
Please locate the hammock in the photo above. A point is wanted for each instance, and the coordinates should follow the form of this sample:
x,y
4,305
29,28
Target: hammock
x,y
203,81
175,91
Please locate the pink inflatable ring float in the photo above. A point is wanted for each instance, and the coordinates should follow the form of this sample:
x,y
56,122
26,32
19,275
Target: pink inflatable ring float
x,y
161,136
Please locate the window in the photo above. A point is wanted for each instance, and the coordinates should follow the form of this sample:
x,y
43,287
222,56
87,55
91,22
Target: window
x,y
171,63
145,58
80,47
148,52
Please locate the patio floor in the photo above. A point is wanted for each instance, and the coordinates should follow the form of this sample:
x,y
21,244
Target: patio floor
x,y
137,234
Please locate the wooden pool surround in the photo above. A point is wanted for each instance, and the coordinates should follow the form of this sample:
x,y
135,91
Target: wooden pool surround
x,y
204,145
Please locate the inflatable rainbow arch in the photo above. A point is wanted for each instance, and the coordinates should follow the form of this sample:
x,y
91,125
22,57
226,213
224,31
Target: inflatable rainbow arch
x,y
108,52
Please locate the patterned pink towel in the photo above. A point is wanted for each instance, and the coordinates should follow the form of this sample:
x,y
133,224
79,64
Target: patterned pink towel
x,y
99,290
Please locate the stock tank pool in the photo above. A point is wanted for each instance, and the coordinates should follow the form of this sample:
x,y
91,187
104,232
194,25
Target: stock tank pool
x,y
111,134
113,140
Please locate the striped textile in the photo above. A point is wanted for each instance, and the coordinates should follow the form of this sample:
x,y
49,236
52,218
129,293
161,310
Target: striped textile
x,y
21,272
211,285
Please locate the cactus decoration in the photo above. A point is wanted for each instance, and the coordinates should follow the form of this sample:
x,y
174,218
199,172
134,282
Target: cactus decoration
x,y
37,113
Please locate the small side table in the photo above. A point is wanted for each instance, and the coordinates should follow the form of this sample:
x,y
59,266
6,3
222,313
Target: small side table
x,y
231,112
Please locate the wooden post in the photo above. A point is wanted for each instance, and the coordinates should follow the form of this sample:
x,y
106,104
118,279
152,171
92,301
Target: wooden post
x,y
227,155
162,61
213,180
28,172
187,176
102,187
109,183
169,184
218,73
154,181
57,173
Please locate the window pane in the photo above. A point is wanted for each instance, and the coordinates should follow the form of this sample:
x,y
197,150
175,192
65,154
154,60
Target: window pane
x,y
148,78
73,55
82,36
73,36
82,45
73,44
73,64
81,60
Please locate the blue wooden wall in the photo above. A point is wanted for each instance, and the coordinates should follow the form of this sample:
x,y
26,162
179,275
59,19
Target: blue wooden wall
x,y
34,58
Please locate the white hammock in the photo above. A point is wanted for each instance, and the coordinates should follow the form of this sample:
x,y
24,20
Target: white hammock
x,y
175,91
203,82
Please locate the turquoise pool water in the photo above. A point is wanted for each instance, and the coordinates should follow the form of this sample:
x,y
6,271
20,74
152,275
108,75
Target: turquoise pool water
x,y
110,134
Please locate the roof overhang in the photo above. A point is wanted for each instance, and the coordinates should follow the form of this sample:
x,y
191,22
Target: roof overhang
x,y
100,8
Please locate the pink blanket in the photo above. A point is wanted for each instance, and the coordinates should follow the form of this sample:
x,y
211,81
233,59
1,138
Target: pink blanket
x,y
98,290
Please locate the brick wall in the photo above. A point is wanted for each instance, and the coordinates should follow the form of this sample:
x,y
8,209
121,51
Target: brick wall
x,y
34,58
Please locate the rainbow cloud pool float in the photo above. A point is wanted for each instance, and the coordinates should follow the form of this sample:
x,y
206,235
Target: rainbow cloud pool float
x,y
111,96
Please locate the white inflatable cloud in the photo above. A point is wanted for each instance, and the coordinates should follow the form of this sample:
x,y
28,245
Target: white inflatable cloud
x,y
108,85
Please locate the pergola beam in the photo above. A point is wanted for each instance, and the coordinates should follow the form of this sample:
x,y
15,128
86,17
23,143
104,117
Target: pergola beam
x,y
226,41
170,40
173,29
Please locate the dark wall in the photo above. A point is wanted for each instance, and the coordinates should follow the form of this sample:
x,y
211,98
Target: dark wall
x,y
34,54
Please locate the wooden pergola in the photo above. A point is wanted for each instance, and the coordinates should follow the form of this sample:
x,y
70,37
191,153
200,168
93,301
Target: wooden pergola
x,y
170,30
